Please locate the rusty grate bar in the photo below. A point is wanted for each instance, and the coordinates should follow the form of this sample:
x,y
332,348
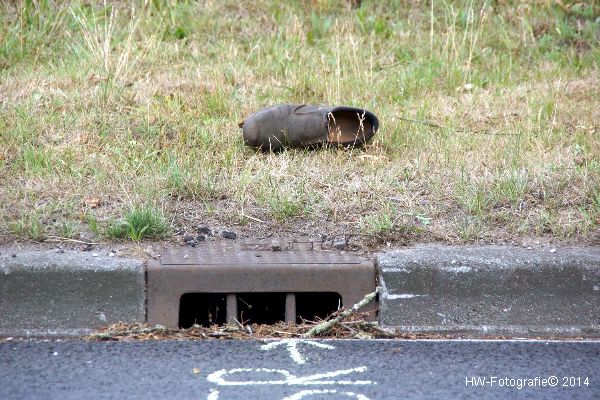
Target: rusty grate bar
x,y
233,268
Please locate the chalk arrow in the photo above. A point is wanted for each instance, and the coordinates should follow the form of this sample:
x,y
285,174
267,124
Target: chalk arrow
x,y
292,347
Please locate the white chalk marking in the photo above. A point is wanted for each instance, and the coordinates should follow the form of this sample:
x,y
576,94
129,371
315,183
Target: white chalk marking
x,y
403,296
396,269
292,346
306,393
214,394
218,377
456,270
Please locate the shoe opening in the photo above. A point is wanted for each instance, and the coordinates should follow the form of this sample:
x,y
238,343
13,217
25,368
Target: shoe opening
x,y
349,127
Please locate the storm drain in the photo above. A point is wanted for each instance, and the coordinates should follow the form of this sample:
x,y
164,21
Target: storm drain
x,y
207,309
253,283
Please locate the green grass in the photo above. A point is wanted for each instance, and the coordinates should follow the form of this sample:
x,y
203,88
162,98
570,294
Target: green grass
x,y
138,224
378,224
29,226
489,118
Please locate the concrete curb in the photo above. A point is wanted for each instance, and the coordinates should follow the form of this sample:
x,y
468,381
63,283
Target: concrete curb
x,y
473,290
68,293
491,290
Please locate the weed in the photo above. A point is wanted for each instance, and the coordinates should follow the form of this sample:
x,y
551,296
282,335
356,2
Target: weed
x,y
67,229
511,187
29,226
471,229
114,61
377,224
138,224
92,223
36,161
285,207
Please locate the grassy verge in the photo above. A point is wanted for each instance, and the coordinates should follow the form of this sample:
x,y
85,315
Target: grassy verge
x,y
489,118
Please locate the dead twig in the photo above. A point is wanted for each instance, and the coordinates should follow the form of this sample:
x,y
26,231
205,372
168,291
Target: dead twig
x,y
287,333
243,215
427,123
63,239
327,325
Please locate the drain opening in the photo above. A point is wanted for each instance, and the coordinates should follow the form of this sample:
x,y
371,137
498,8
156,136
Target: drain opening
x,y
204,309
316,305
207,309
261,308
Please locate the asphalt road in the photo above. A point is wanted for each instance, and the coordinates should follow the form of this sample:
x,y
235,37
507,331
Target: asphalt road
x,y
226,370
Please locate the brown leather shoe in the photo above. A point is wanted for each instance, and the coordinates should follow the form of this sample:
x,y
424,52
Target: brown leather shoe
x,y
295,125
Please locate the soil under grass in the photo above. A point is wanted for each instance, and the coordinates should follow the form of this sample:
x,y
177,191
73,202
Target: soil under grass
x,y
489,120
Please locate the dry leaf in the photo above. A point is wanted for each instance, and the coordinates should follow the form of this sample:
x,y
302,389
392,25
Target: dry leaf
x,y
91,202
94,79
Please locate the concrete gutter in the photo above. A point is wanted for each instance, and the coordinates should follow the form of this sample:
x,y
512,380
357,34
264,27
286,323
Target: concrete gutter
x,y
45,293
492,290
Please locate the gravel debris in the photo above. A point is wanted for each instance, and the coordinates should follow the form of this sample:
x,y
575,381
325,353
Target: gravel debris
x,y
229,234
204,230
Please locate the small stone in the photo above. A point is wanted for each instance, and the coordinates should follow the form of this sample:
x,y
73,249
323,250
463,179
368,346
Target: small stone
x,y
88,247
200,238
60,251
276,247
204,230
188,238
191,243
228,234
339,244
185,256
94,254
14,255
111,254
552,250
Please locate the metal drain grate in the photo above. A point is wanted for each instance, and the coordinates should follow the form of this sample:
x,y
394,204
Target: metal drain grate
x,y
222,280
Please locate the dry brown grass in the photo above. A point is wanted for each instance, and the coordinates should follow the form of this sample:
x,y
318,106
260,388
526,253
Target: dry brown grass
x,y
151,120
